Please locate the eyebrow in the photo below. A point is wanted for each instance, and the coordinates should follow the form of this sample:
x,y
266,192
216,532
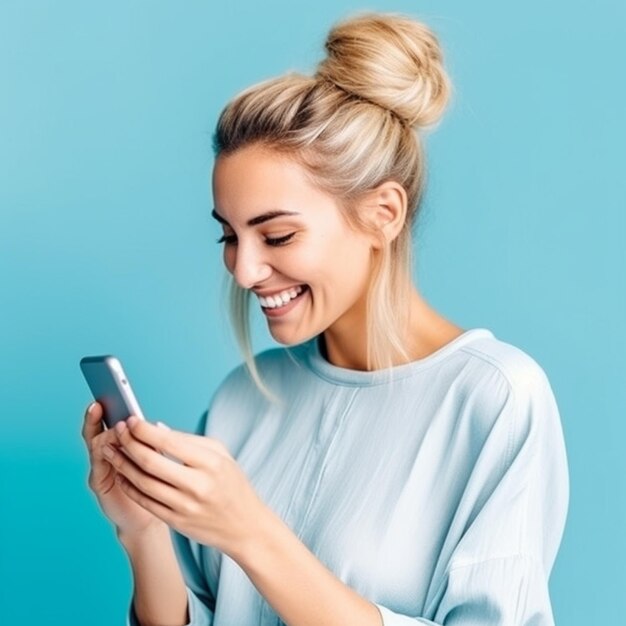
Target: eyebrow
x,y
259,219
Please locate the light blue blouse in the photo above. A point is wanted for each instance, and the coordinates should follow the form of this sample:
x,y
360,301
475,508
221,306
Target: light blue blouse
x,y
441,495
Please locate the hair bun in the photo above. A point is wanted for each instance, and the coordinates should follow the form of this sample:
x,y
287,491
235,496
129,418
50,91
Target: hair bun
x,y
391,60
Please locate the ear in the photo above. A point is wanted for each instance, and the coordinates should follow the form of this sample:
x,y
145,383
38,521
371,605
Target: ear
x,y
385,208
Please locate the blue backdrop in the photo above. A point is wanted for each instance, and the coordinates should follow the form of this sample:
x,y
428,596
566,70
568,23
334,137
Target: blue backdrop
x,y
107,246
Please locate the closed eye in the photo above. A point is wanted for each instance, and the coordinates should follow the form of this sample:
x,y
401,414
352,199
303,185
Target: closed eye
x,y
277,241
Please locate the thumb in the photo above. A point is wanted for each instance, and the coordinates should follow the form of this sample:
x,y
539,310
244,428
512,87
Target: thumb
x,y
92,424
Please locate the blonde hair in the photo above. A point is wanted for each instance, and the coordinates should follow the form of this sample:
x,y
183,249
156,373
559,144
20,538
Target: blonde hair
x,y
352,125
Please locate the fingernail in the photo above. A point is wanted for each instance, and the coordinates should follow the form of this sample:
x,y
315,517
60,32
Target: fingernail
x,y
120,426
163,426
90,408
132,420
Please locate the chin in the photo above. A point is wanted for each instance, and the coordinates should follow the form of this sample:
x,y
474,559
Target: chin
x,y
291,338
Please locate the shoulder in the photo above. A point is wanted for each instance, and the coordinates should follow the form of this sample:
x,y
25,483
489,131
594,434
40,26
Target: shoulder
x,y
505,378
518,369
506,387
526,408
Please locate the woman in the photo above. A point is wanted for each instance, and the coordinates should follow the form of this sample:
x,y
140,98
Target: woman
x,y
384,466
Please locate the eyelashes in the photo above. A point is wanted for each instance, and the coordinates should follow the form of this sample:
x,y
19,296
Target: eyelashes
x,y
278,241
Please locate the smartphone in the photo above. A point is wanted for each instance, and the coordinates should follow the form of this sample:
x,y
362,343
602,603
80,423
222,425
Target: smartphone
x,y
110,387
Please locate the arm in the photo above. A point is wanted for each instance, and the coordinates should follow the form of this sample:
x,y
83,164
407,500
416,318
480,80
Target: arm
x,y
160,595
208,499
507,591
166,577
302,591
167,582
146,540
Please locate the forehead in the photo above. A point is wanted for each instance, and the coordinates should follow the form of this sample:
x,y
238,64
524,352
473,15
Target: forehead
x,y
254,179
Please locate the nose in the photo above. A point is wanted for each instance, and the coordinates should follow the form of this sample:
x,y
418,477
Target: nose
x,y
248,265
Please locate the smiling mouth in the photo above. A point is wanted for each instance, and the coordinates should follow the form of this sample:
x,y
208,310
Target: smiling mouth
x,y
276,302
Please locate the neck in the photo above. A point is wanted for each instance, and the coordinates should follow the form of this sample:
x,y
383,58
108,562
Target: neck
x,y
345,345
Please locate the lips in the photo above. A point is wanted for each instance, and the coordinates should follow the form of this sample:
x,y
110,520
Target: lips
x,y
275,292
285,308
278,299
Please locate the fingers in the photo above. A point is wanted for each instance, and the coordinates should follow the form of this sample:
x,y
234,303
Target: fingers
x,y
192,450
92,422
150,504
106,437
101,473
150,460
144,482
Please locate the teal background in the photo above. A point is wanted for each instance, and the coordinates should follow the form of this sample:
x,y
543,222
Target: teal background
x,y
106,246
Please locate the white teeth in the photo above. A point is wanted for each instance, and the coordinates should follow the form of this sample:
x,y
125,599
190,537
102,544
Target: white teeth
x,y
280,299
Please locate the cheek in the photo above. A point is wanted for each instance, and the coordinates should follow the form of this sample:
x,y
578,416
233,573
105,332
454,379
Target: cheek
x,y
351,255
334,265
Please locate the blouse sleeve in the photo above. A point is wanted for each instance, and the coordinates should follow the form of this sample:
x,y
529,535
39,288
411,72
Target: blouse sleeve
x,y
511,519
200,600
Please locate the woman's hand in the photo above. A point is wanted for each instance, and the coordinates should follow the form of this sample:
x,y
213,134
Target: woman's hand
x,y
127,515
206,496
